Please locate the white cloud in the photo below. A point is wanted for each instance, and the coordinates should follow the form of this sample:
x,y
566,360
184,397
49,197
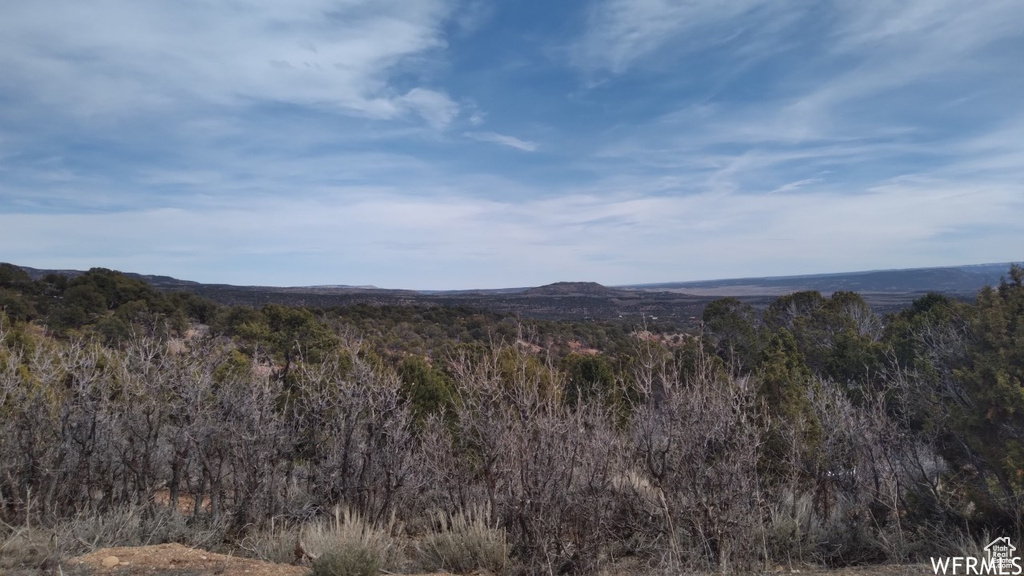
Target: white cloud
x,y
502,139
866,49
620,32
112,57
435,107
906,44
936,25
891,129
876,101
456,241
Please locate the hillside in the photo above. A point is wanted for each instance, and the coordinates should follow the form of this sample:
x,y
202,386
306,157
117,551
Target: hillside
x,y
953,280
676,304
573,289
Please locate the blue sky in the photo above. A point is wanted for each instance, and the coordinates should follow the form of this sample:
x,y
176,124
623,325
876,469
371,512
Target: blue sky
x,y
456,144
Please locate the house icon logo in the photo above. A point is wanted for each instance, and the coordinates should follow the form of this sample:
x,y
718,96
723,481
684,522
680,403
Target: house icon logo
x,y
1000,552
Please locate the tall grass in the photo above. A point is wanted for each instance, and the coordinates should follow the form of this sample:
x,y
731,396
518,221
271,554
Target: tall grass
x,y
465,542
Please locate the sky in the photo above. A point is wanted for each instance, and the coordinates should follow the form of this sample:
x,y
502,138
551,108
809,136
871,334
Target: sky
x,y
446,144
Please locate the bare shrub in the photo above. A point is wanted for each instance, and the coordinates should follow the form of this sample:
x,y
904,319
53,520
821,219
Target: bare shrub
x,y
353,437
28,549
961,543
871,469
697,443
147,444
133,525
545,472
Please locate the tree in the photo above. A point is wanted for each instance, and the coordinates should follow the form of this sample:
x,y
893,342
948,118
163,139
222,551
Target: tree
x,y
81,304
784,392
838,337
289,335
587,378
991,422
13,277
729,326
791,310
426,389
16,306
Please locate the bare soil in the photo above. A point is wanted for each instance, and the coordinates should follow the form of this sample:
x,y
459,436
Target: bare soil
x,y
178,560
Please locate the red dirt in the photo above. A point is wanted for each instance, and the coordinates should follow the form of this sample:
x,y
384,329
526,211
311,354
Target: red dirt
x,y
178,560
171,559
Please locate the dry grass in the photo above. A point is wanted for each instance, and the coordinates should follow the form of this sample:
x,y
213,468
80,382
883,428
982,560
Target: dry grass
x,y
27,550
134,526
274,544
35,549
465,542
344,543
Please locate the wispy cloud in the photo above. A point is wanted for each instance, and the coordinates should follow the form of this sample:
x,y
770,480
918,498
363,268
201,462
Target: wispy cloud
x,y
454,240
326,142
510,141
935,25
435,107
621,32
123,57
876,92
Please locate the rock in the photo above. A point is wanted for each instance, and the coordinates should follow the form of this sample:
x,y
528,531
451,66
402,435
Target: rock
x,y
110,561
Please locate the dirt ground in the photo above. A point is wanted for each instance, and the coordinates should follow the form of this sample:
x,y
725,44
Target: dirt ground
x,y
178,560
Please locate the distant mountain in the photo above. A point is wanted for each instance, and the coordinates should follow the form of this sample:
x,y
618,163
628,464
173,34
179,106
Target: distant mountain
x,y
960,280
677,303
345,286
572,289
38,274
161,282
956,280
